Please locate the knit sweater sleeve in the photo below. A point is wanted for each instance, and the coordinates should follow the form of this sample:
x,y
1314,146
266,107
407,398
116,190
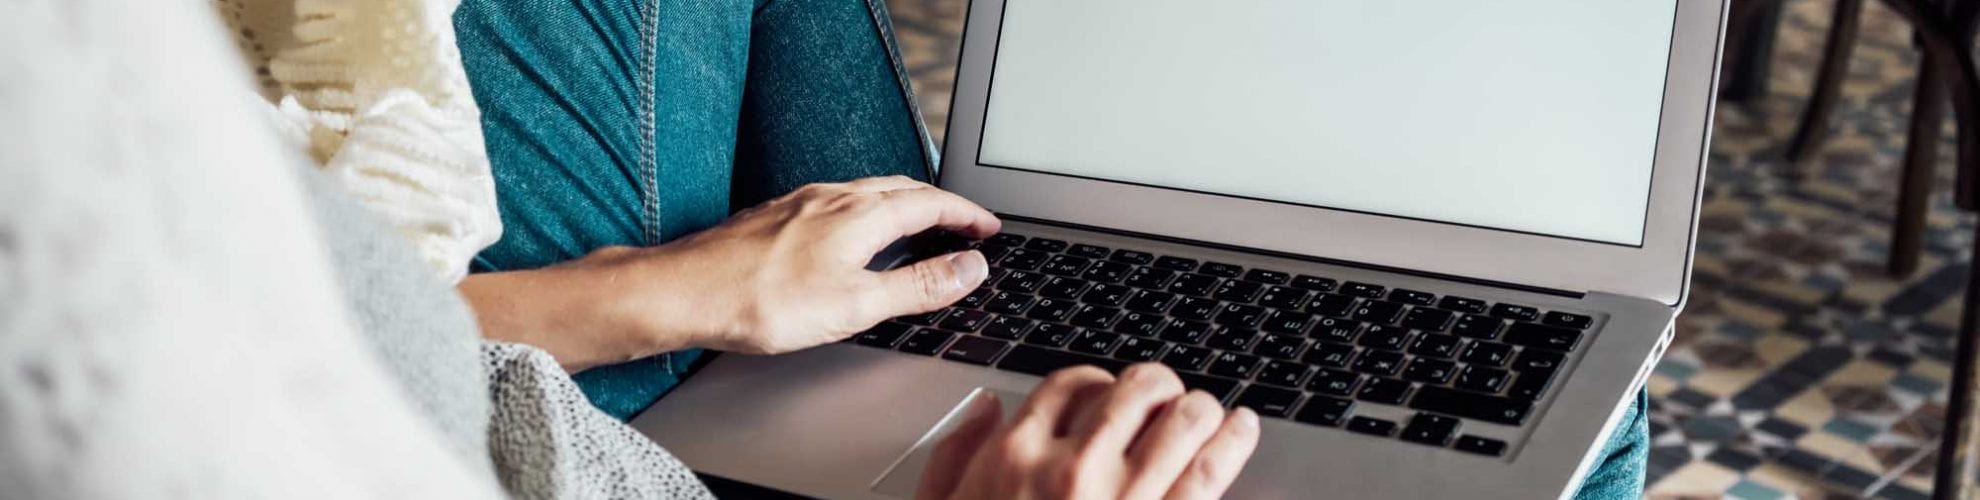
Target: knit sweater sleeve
x,y
376,92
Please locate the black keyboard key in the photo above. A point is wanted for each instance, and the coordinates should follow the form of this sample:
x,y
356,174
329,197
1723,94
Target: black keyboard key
x,y
1483,353
1045,245
1412,297
1538,360
1095,342
1388,338
1198,285
1567,320
1329,354
1194,309
926,342
1461,304
1322,410
1482,379
1107,295
1280,346
1220,269
965,320
1150,278
1334,382
1516,312
1050,309
996,274
1364,290
1483,446
1478,327
1107,272
1240,315
993,252
1542,336
1065,265
1041,362
976,299
1021,281
1287,322
1431,429
1268,401
884,335
1140,324
1433,345
1238,291
975,350
1006,239
1092,316
1151,301
1132,257
1283,373
1234,365
1530,384
1471,405
1187,358
1377,311
1427,319
1372,426
1222,388
1383,363
924,319
1061,287
1137,349
1233,339
1281,297
1048,334
1430,371
1314,283
1176,263
1336,330
1328,304
1006,327
1186,332
1089,251
1267,277
1022,260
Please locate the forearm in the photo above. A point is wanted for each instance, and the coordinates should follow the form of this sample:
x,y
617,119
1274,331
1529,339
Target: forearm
x,y
584,314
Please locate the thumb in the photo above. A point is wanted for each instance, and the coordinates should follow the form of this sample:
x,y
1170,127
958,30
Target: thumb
x,y
930,284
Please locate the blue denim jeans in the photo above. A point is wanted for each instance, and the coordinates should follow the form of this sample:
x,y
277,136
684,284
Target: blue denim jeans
x,y
634,122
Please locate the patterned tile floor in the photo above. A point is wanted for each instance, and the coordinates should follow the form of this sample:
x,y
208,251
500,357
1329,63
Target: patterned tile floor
x,y
1801,369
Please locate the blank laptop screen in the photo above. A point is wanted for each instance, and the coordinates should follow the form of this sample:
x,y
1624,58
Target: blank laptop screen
x,y
1537,116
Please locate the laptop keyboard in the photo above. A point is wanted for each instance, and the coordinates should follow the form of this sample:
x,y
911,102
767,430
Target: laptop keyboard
x,y
1299,347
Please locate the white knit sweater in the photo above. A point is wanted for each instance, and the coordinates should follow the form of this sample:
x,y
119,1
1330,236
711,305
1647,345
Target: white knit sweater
x,y
375,91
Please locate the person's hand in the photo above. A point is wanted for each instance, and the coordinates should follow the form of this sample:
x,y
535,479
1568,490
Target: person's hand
x,y
1085,434
791,273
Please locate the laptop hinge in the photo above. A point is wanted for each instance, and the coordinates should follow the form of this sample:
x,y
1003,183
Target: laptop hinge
x,y
1308,258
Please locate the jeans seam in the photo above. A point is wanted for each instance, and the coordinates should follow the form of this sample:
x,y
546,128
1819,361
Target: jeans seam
x,y
649,175
882,26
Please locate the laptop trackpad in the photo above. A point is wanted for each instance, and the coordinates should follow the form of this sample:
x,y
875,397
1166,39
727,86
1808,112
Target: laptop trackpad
x,y
901,479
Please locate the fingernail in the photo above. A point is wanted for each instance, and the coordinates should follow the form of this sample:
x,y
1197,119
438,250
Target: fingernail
x,y
1247,419
970,269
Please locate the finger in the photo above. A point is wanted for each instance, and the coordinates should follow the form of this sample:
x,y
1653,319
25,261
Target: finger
x,y
953,455
1042,413
1170,441
885,183
1109,426
1220,460
911,211
927,285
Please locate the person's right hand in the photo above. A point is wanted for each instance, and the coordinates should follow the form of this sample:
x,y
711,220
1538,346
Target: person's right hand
x,y
1085,434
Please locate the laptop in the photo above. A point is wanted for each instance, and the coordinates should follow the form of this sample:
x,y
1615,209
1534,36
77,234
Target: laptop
x,y
1437,245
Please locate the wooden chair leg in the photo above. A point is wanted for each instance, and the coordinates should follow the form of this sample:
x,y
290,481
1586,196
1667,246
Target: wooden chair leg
x,y
1921,151
1960,438
1828,82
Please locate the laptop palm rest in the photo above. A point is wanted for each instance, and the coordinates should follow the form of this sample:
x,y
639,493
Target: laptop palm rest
x,y
901,479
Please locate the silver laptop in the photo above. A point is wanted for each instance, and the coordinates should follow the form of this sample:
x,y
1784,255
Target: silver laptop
x,y
1438,244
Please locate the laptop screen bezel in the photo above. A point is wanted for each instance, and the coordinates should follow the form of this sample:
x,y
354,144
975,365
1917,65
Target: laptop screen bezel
x,y
1657,269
